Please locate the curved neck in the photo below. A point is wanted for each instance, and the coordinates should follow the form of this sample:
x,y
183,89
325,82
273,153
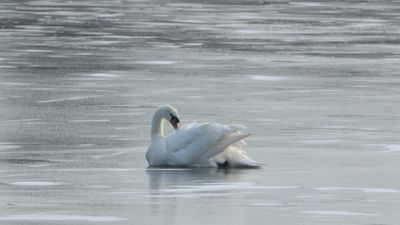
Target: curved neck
x,y
157,125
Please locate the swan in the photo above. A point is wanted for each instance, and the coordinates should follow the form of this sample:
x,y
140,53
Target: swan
x,y
196,144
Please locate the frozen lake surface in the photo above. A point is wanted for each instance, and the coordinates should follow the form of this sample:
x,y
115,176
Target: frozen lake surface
x,y
316,82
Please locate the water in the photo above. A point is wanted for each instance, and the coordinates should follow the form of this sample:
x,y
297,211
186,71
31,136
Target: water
x,y
316,83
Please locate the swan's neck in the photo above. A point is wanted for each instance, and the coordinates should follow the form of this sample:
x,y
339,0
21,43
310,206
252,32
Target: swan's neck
x,y
157,126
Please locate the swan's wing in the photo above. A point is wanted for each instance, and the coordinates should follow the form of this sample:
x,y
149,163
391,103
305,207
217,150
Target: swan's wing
x,y
183,136
197,142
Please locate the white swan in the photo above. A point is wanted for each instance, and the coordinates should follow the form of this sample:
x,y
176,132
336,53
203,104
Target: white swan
x,y
196,144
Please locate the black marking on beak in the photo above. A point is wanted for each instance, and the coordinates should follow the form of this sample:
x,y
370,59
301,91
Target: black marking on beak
x,y
174,118
174,121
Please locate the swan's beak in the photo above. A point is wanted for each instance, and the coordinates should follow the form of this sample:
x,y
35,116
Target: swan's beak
x,y
174,122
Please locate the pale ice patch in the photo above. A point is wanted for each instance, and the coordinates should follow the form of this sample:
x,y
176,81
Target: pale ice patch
x,y
43,89
266,78
339,213
89,170
103,75
194,97
125,128
14,84
7,66
84,53
246,31
187,21
18,121
222,186
380,190
7,146
40,165
279,187
103,42
192,44
264,204
156,62
192,195
37,50
366,24
365,190
100,186
391,148
167,169
335,188
35,183
122,114
122,169
14,175
334,127
166,45
69,99
370,129
91,121
55,217
307,4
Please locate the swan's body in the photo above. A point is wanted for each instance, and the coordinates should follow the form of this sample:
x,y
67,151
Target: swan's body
x,y
196,144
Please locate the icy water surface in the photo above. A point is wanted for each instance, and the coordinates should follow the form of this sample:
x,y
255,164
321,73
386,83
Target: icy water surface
x,y
316,82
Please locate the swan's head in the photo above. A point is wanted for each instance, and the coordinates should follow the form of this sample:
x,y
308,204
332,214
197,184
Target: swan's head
x,y
171,114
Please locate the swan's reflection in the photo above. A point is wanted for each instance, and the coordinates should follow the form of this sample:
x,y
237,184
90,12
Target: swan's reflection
x,y
167,186
163,178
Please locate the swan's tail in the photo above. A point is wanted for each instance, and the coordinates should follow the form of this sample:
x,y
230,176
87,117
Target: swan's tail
x,y
234,155
237,157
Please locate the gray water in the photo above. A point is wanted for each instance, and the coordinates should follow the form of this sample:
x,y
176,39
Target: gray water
x,y
316,83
